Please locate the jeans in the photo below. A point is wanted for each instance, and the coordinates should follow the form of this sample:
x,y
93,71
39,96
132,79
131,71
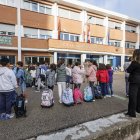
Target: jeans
x,y
103,88
109,89
61,88
39,84
127,85
91,84
6,99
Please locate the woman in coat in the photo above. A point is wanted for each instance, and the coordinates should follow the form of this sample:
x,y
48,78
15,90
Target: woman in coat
x,y
134,87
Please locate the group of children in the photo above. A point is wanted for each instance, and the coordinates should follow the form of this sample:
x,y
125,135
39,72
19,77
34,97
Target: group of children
x,y
41,75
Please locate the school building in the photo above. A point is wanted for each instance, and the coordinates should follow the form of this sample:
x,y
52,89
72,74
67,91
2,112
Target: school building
x,y
47,30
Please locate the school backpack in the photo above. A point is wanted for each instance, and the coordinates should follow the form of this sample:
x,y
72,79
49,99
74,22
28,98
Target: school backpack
x,y
78,96
97,91
47,98
67,97
19,107
88,96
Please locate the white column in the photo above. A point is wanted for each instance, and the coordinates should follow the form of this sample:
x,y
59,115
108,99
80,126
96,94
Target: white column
x,y
55,14
101,59
105,40
83,18
105,59
138,37
55,58
83,58
19,28
123,46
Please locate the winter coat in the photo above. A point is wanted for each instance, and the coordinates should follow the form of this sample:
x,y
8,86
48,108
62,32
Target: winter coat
x,y
102,76
77,75
7,80
126,65
61,73
110,74
91,73
134,70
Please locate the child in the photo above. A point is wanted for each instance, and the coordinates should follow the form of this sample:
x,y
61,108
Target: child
x,y
50,75
21,79
103,78
110,74
33,74
68,74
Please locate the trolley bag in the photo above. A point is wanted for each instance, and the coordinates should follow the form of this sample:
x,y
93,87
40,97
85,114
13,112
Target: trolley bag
x,y
47,98
78,96
67,97
88,96
20,108
97,90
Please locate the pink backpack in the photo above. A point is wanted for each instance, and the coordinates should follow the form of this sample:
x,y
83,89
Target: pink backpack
x,y
78,96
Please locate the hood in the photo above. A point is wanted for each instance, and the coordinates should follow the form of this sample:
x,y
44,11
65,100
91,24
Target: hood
x,y
62,67
3,70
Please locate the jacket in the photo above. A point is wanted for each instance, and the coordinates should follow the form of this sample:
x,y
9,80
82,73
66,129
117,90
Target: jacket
x,y
77,75
134,70
50,78
110,74
102,76
91,73
61,73
7,80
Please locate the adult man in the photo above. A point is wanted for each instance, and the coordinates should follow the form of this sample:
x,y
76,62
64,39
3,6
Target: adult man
x,y
8,84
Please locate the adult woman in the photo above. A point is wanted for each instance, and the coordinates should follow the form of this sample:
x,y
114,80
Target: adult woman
x,y
134,87
61,78
77,74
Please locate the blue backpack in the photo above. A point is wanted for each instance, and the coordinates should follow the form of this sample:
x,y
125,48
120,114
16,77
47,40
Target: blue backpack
x,y
88,96
67,97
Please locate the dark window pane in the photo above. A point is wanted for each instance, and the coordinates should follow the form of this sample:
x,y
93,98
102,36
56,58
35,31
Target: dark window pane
x,y
71,37
27,60
66,36
34,60
12,59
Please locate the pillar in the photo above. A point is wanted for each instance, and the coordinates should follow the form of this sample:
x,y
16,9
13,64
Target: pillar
x,y
83,58
55,58
105,59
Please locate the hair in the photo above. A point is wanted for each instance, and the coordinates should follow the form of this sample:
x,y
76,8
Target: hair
x,y
108,66
136,55
4,61
77,64
60,62
53,67
129,59
95,63
20,63
102,66
37,63
91,61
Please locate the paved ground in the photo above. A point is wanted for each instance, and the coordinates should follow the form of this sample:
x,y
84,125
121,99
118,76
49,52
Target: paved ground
x,y
42,121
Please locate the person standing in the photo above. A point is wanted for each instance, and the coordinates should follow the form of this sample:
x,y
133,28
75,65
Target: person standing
x,y
61,78
21,80
134,84
126,65
8,84
91,75
68,74
78,74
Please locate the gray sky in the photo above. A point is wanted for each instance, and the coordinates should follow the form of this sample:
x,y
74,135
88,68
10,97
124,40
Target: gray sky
x,y
130,8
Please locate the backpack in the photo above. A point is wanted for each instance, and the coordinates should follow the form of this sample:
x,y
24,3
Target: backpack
x,y
78,96
67,97
20,108
97,90
28,78
88,96
47,98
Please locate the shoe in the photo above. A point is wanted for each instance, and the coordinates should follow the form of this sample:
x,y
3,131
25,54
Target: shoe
x,y
93,100
37,90
127,114
104,96
108,96
26,101
112,95
60,102
33,86
2,116
127,95
9,116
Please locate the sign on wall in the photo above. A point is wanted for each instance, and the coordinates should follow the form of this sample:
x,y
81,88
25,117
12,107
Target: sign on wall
x,y
5,40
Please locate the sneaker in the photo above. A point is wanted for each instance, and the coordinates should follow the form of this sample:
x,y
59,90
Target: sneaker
x,y
33,86
2,116
93,100
37,90
108,96
26,101
60,102
112,95
9,116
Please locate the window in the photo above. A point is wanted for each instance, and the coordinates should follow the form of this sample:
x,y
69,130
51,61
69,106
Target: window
x,y
12,58
45,34
42,9
99,40
92,40
130,45
34,7
11,2
66,36
115,43
99,21
69,14
26,5
115,25
130,29
31,32
95,20
48,10
3,1
6,29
